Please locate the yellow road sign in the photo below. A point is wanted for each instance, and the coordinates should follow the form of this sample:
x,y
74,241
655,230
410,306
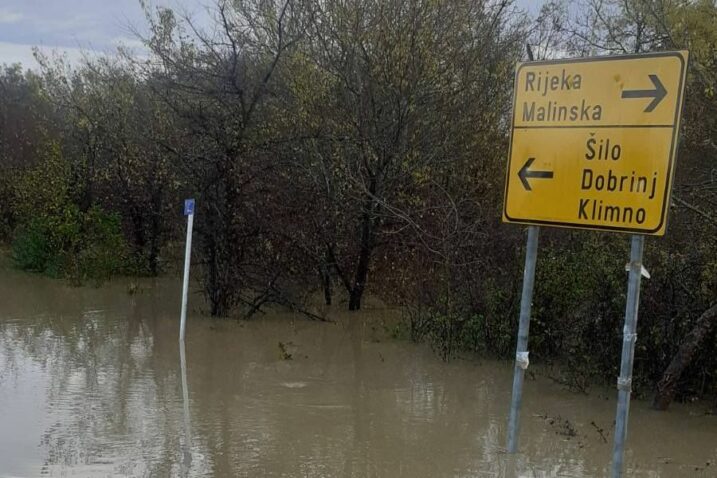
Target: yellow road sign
x,y
594,142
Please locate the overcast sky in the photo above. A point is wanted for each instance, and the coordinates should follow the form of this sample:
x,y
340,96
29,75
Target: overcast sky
x,y
75,25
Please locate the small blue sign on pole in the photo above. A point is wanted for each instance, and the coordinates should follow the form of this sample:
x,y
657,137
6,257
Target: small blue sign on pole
x,y
188,207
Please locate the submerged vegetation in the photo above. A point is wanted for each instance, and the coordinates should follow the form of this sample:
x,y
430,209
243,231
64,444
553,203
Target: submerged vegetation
x,y
336,148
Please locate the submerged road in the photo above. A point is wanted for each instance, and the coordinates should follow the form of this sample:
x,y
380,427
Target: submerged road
x,y
91,384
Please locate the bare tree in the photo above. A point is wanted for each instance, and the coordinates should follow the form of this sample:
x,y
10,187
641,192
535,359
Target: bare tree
x,y
220,84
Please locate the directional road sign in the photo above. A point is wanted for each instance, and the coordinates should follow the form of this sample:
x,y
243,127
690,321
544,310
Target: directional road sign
x,y
594,141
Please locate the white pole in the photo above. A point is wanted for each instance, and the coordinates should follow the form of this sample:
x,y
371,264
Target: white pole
x,y
189,212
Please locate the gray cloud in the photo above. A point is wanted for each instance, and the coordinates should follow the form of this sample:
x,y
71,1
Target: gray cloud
x,y
10,16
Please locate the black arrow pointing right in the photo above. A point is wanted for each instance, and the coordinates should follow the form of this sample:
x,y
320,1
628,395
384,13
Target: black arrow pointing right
x,y
525,173
657,94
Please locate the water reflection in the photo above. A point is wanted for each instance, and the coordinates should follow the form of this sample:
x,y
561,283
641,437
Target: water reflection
x,y
187,446
89,386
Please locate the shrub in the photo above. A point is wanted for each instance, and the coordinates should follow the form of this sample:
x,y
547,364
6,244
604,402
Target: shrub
x,y
31,250
73,244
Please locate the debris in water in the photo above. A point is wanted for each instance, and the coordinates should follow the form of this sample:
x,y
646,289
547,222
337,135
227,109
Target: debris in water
x,y
283,352
600,431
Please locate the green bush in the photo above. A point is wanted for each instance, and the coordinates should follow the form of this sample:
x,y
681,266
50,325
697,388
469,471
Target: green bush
x,y
31,249
103,252
78,245
578,309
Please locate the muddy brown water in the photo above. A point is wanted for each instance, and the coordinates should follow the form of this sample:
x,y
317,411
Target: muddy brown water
x,y
91,384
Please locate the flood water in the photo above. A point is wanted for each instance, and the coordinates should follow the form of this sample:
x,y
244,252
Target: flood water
x,y
91,384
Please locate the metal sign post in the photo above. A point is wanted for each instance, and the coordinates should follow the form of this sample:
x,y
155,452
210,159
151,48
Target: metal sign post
x,y
189,212
624,382
521,350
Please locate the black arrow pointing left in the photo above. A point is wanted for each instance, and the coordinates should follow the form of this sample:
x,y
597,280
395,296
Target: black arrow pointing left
x,y
525,173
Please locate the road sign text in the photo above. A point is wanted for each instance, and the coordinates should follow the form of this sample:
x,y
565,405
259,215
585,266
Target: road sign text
x,y
594,141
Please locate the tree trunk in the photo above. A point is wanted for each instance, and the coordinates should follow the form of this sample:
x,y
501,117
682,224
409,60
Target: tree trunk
x,y
155,232
355,299
325,275
153,257
360,281
364,260
667,385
